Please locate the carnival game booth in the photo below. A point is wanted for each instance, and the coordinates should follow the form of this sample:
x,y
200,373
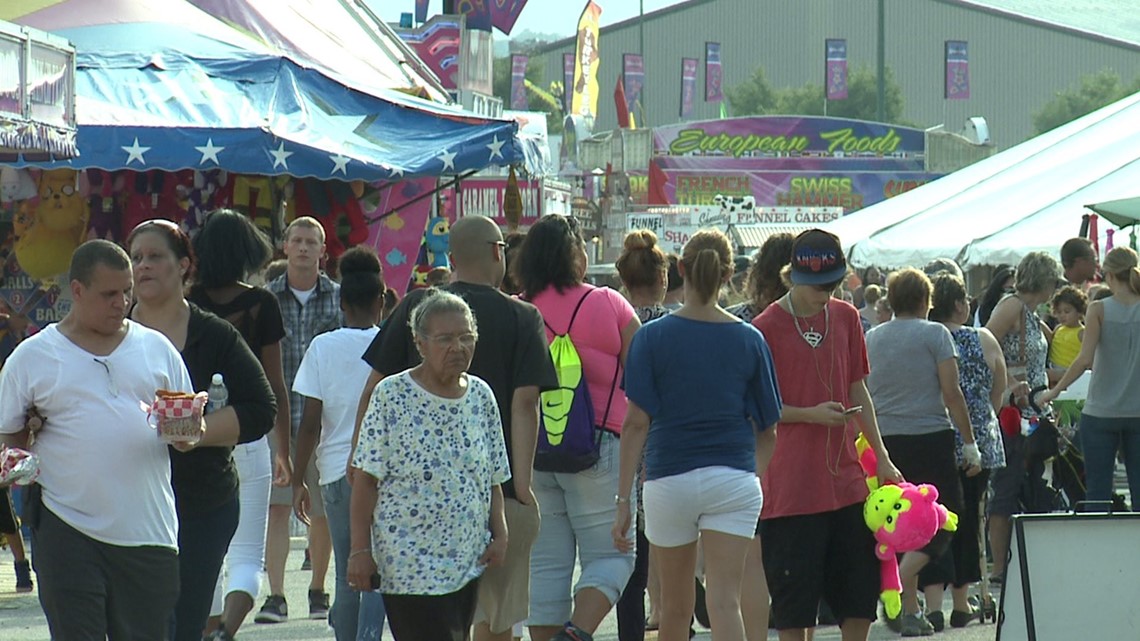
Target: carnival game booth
x,y
180,113
1031,197
37,96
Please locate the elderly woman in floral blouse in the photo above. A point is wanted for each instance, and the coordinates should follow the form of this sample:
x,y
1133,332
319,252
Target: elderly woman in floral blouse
x,y
427,510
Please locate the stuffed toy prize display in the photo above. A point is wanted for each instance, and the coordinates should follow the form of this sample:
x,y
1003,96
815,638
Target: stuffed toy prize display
x,y
903,517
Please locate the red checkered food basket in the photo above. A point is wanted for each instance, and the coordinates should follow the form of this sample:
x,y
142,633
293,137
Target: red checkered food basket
x,y
178,419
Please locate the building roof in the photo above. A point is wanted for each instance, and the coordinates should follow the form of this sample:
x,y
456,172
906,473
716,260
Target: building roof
x,y
1111,20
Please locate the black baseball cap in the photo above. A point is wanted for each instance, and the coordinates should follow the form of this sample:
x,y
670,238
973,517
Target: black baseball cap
x,y
817,258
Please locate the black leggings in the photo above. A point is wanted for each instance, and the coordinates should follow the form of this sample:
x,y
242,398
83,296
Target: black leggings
x,y
432,617
631,605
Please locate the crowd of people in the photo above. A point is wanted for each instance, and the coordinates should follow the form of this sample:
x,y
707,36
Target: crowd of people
x,y
458,454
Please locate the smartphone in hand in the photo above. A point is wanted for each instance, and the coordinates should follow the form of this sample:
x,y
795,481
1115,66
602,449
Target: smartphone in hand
x,y
853,410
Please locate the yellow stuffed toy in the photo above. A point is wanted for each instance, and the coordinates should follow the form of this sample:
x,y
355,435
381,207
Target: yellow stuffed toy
x,y
57,228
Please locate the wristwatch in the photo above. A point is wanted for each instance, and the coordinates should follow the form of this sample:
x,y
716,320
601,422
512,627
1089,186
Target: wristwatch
x,y
619,499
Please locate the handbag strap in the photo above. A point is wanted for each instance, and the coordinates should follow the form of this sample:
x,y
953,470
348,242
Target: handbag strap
x,y
1022,337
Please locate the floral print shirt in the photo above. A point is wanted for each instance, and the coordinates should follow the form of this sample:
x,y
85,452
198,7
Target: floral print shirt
x,y
436,460
975,379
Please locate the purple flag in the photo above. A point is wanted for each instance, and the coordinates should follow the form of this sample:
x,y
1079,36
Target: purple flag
x,y
422,11
957,71
505,13
714,91
835,73
633,73
478,13
567,81
518,82
688,85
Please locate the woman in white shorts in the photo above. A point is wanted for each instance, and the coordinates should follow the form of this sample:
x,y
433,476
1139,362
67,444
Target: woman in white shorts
x,y
703,404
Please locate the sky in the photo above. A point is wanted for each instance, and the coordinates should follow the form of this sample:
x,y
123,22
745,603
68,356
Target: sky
x,y
541,16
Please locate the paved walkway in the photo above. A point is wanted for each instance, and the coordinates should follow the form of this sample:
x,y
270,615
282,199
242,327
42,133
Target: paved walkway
x,y
22,620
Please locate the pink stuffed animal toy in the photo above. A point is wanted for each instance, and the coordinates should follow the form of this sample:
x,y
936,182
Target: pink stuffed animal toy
x,y
904,517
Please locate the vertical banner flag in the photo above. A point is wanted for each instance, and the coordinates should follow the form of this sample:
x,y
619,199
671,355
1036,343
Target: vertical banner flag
x,y
518,82
567,81
835,73
633,72
478,13
586,63
957,70
505,13
422,11
714,91
688,85
621,104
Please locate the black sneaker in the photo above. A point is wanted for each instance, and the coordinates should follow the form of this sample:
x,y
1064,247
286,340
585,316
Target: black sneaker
x,y
275,610
24,576
318,604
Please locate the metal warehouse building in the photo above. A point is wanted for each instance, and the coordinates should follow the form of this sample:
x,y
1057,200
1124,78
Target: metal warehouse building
x,y
1021,52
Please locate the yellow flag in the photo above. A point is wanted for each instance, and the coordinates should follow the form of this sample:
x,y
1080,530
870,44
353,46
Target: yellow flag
x,y
587,60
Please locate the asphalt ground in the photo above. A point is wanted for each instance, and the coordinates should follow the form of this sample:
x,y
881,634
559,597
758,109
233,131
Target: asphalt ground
x,y
22,620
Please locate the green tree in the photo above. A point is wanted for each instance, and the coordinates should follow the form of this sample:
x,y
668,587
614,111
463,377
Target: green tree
x,y
757,96
754,96
501,85
1094,91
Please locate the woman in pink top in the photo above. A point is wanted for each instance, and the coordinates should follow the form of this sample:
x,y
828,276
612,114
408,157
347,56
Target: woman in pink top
x,y
577,508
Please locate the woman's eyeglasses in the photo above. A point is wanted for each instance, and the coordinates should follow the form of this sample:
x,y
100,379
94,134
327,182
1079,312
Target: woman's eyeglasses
x,y
466,341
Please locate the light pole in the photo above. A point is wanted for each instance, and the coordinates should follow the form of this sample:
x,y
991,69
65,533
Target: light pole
x,y
881,63
641,29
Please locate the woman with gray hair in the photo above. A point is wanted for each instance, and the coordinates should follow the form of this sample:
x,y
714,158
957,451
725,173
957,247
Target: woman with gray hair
x,y
430,460
1024,342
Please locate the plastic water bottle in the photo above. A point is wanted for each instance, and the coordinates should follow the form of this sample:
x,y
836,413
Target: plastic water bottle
x,y
219,395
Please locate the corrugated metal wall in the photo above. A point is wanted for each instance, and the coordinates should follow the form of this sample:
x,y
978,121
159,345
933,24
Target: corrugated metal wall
x,y
1015,65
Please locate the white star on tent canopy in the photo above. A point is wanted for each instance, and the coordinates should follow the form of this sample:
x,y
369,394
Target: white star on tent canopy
x,y
340,163
448,159
496,147
135,152
209,152
280,156
392,171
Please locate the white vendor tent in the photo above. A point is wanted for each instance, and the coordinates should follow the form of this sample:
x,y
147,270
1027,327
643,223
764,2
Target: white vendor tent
x,y
1028,198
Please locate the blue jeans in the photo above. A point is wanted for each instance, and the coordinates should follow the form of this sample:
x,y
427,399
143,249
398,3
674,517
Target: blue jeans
x,y
577,518
1100,440
354,616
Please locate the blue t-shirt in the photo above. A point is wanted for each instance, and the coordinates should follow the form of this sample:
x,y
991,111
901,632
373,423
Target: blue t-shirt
x,y
703,385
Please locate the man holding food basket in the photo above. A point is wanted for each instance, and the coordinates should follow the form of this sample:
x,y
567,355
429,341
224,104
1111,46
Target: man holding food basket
x,y
102,511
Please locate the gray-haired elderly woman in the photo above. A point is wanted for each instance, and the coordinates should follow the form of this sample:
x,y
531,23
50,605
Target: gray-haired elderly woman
x,y
427,510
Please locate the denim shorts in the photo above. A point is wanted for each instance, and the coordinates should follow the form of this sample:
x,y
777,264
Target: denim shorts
x,y
577,513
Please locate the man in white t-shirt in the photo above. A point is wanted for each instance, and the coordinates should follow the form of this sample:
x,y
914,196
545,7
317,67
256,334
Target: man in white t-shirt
x,y
102,514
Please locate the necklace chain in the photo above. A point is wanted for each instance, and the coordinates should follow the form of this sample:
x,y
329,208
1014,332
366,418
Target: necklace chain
x,y
810,336
814,339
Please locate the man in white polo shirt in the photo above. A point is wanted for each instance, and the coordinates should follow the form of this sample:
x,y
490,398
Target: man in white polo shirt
x,y
102,516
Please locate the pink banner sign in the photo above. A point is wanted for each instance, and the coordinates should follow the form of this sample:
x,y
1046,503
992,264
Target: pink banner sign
x,y
688,85
518,82
836,69
957,70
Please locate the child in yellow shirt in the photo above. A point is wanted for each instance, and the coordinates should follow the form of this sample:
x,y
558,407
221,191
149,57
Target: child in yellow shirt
x,y
1069,306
